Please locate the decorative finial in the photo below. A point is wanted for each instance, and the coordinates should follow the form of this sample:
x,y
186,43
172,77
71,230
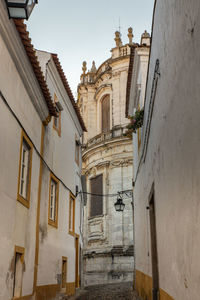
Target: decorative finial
x,y
145,38
118,39
84,68
146,34
130,35
93,69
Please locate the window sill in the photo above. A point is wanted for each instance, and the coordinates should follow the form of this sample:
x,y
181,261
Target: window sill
x,y
95,217
72,233
23,201
53,223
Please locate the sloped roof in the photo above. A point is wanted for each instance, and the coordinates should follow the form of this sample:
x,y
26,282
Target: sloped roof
x,y
31,53
68,90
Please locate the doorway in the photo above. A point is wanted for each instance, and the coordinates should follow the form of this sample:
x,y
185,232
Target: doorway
x,y
18,272
154,253
64,271
77,261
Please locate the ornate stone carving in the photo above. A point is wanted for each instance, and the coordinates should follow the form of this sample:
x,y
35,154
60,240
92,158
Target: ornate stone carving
x,y
93,69
118,39
130,35
84,68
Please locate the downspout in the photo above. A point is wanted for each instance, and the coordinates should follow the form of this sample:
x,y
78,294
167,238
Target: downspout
x,y
37,242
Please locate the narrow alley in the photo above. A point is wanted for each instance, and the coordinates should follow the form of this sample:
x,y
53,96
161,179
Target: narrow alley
x,y
99,150
121,291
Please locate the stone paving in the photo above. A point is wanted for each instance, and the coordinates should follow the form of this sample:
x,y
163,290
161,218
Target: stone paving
x,y
121,291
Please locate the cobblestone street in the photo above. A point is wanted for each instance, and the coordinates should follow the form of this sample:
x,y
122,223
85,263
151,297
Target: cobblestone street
x,y
121,291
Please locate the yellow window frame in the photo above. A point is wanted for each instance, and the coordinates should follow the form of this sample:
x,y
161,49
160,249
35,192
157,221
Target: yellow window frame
x,y
51,222
72,216
20,198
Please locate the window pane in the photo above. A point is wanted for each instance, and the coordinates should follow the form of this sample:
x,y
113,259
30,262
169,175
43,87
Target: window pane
x,y
71,214
106,114
96,207
25,163
53,200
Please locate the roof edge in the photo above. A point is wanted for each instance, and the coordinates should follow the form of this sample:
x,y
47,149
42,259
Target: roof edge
x,y
68,89
31,53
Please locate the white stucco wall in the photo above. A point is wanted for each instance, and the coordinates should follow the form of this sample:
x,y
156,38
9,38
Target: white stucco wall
x,y
59,153
20,89
17,223
172,160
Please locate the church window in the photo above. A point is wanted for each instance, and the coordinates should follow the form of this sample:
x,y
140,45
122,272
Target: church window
x,y
106,114
96,206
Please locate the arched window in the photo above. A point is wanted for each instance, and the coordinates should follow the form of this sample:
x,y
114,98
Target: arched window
x,y
105,114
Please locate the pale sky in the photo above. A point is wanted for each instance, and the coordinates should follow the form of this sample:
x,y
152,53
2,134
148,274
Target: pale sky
x,y
80,30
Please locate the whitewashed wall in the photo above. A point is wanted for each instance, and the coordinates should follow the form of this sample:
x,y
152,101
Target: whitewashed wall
x,y
59,152
17,223
172,160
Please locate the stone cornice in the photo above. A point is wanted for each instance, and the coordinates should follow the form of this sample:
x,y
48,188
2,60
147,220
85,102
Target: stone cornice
x,y
109,143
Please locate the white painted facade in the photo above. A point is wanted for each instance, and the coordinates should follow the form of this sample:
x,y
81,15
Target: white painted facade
x,y
59,154
170,156
108,238
23,107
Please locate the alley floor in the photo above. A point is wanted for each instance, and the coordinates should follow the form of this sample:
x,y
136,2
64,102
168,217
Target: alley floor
x,y
121,291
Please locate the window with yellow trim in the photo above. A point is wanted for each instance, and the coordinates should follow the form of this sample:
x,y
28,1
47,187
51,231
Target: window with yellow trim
x,y
77,151
53,200
57,120
25,164
71,214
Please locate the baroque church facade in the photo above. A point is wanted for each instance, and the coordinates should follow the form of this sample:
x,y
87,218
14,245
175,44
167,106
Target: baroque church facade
x,y
108,167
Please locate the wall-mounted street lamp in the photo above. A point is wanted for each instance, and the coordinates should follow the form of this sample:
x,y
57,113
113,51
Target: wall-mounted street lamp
x,y
119,204
20,9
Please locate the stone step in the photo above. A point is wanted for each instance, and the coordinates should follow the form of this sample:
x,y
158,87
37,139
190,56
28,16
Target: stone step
x,y
121,291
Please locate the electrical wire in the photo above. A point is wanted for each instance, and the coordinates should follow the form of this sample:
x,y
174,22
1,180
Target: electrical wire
x,y
37,151
120,193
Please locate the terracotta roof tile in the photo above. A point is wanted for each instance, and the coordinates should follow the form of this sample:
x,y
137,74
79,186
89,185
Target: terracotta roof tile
x,y
31,53
68,90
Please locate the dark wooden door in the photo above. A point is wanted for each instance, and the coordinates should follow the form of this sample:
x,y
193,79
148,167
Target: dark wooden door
x,y
64,272
77,262
154,253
